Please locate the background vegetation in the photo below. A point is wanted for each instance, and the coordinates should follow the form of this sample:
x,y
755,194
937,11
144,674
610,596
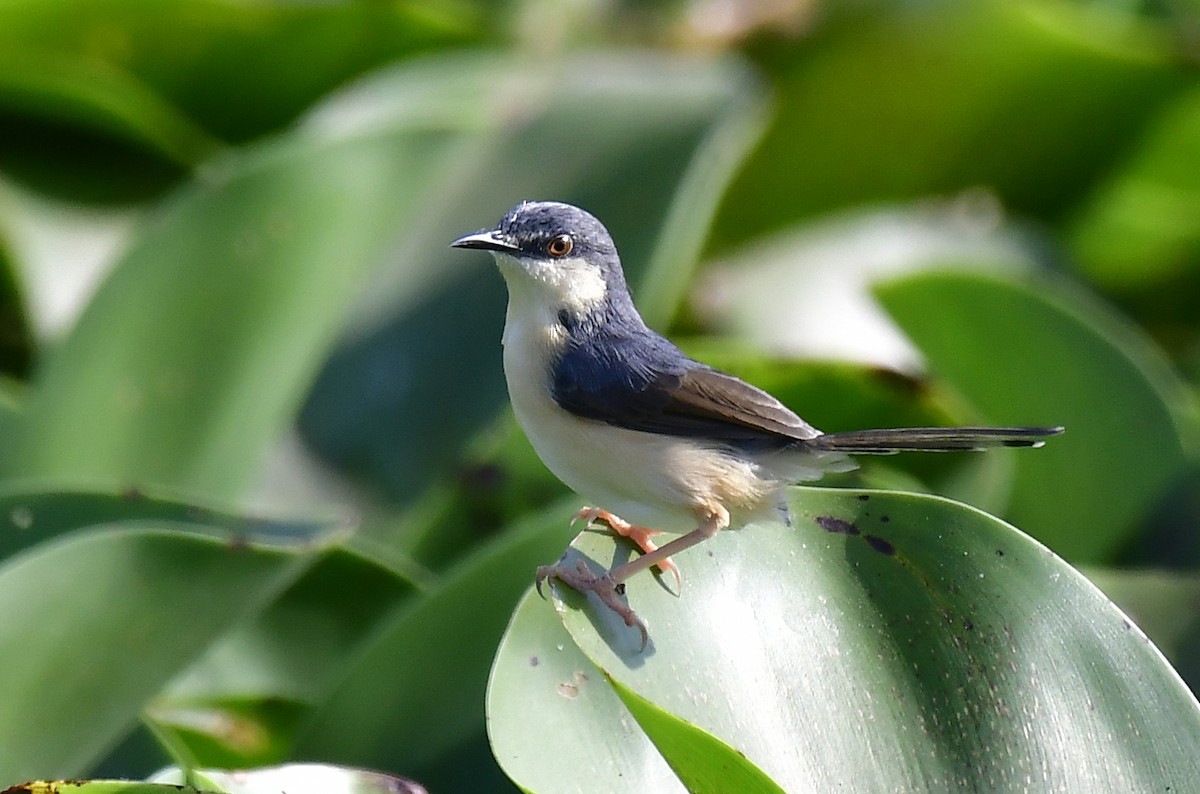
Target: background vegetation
x,y
263,499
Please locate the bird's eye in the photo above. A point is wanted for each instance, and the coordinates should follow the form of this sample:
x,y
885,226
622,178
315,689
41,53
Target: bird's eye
x,y
560,246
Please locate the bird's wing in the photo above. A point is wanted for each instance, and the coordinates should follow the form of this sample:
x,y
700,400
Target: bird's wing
x,y
647,384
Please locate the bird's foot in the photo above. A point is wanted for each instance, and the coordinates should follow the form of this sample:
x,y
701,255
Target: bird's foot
x,y
584,580
641,536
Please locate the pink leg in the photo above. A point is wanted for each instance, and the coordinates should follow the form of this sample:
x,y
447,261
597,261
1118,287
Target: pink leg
x,y
608,586
639,535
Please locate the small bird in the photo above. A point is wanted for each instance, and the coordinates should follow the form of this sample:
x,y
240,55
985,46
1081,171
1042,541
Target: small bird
x,y
623,417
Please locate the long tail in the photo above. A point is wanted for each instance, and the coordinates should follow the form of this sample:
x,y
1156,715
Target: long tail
x,y
932,439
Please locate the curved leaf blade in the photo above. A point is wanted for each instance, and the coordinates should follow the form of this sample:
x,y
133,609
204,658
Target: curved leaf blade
x,y
1045,353
99,621
416,688
961,653
552,716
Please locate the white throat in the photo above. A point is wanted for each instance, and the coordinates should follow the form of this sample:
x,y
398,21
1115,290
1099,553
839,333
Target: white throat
x,y
571,283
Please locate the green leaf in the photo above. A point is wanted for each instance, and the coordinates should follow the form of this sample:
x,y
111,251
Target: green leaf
x,y
101,787
243,702
117,99
297,779
898,101
99,620
702,762
417,688
28,518
1046,353
269,250
553,717
1141,227
238,69
1166,605
964,655
16,334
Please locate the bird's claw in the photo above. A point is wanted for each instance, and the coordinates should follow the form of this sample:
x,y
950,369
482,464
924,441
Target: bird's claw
x,y
641,536
584,580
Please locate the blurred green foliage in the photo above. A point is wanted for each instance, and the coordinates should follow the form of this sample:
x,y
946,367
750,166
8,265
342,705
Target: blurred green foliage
x,y
923,212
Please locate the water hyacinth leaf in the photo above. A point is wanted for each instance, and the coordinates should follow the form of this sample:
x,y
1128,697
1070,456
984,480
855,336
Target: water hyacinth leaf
x,y
153,597
1045,353
152,390
384,710
909,100
962,652
1139,228
117,100
553,717
103,787
237,70
28,518
296,779
1166,604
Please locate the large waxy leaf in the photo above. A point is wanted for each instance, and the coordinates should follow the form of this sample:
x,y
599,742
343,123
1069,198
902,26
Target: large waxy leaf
x,y
887,642
1166,605
113,99
150,388
28,518
238,69
295,779
99,620
1140,227
546,701
431,656
1046,353
1030,98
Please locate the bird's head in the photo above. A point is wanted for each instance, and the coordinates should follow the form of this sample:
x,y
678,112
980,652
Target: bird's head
x,y
555,254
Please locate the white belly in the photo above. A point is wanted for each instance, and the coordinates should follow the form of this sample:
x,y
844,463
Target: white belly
x,y
662,482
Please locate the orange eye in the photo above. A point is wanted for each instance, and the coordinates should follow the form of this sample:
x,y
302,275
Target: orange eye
x,y
560,246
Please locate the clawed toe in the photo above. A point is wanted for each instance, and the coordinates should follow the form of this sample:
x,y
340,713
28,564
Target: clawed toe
x,y
641,536
584,580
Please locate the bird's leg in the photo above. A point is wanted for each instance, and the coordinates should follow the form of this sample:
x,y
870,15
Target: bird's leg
x,y
714,519
584,580
639,535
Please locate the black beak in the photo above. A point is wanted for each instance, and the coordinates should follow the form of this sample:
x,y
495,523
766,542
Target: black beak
x,y
485,241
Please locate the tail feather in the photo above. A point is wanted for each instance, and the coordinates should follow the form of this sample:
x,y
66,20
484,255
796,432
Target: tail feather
x,y
932,439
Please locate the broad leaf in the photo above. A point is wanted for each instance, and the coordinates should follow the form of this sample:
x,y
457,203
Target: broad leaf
x,y
893,642
546,702
1045,353
99,620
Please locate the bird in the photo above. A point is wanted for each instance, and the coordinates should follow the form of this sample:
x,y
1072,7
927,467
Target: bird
x,y
653,438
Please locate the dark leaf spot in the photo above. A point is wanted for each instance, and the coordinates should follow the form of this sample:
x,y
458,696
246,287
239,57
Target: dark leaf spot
x,y
884,519
879,544
831,524
534,661
999,552
968,624
862,497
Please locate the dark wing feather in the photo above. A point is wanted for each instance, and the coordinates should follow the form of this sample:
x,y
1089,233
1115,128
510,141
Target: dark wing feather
x,y
645,383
